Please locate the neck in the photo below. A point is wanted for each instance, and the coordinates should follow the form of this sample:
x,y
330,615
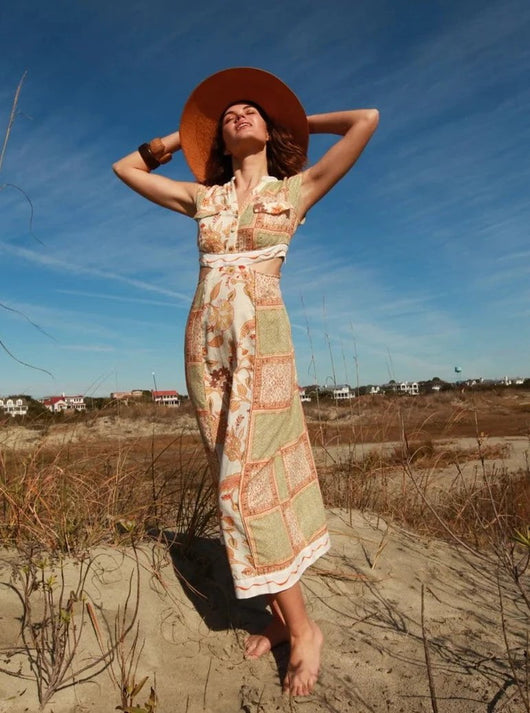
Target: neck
x,y
249,169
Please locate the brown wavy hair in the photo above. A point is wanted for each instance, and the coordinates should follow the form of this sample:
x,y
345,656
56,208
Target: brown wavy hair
x,y
284,156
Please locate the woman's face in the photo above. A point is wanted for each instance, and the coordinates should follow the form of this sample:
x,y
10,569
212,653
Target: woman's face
x,y
243,128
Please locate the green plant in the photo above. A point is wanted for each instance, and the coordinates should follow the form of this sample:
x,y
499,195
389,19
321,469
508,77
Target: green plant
x,y
123,656
52,623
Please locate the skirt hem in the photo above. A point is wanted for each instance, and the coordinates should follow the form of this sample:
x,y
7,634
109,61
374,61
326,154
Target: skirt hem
x,y
274,582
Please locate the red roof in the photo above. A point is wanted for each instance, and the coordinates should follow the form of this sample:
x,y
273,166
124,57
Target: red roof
x,y
56,399
53,400
164,393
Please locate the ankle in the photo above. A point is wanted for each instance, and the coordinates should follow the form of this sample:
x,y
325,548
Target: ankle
x,y
304,631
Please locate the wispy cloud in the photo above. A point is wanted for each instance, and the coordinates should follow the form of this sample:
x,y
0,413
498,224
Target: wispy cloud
x,y
88,348
60,265
117,298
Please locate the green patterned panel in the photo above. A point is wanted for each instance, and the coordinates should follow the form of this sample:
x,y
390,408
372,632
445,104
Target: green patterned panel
x,y
274,544
273,332
309,510
281,483
274,429
264,238
294,187
195,382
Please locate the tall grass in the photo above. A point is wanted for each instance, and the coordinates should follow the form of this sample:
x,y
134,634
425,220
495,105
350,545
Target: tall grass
x,y
469,497
73,496
60,502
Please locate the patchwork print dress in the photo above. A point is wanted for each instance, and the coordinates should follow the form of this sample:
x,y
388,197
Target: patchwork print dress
x,y
241,377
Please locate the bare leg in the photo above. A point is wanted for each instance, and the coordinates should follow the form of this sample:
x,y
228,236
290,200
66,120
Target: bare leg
x,y
291,623
276,633
306,642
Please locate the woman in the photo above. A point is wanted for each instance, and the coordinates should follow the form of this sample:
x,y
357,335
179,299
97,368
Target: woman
x,y
244,135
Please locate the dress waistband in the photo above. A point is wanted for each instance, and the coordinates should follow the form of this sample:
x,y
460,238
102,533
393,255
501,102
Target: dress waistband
x,y
249,257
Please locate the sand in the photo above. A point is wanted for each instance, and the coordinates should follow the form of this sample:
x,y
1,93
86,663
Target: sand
x,y
366,595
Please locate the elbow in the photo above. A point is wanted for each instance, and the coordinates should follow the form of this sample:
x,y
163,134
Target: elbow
x,y
371,121
372,117
365,120
121,169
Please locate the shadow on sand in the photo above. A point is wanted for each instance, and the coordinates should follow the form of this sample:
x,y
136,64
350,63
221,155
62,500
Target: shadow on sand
x,y
203,570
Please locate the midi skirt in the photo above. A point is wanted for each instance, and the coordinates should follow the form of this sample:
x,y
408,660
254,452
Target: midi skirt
x,y
241,378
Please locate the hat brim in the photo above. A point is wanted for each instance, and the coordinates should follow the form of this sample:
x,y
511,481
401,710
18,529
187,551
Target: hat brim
x,y
202,111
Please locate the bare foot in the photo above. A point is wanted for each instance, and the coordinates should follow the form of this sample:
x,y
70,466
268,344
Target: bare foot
x,y
259,644
304,662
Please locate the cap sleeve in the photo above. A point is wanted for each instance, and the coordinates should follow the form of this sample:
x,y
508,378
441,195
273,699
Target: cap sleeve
x,y
199,199
210,200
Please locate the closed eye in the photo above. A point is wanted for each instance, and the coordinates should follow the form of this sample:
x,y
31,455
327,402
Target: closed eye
x,y
232,116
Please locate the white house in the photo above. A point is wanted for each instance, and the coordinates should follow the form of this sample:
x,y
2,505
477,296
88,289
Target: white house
x,y
56,404
166,398
13,407
411,389
303,395
342,392
75,402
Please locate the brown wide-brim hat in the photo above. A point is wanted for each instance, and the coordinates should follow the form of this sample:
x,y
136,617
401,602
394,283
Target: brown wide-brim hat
x,y
207,102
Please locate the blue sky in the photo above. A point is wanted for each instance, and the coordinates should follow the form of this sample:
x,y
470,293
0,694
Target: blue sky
x,y
417,261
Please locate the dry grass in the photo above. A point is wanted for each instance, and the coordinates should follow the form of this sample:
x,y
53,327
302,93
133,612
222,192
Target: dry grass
x,y
378,419
74,496
469,497
473,511
69,498
426,488
68,495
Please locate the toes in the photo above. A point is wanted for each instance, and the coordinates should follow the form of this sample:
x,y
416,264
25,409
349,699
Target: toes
x,y
253,654
250,647
296,687
256,646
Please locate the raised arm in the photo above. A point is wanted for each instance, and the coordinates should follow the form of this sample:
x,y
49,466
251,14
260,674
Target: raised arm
x,y
175,195
356,128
